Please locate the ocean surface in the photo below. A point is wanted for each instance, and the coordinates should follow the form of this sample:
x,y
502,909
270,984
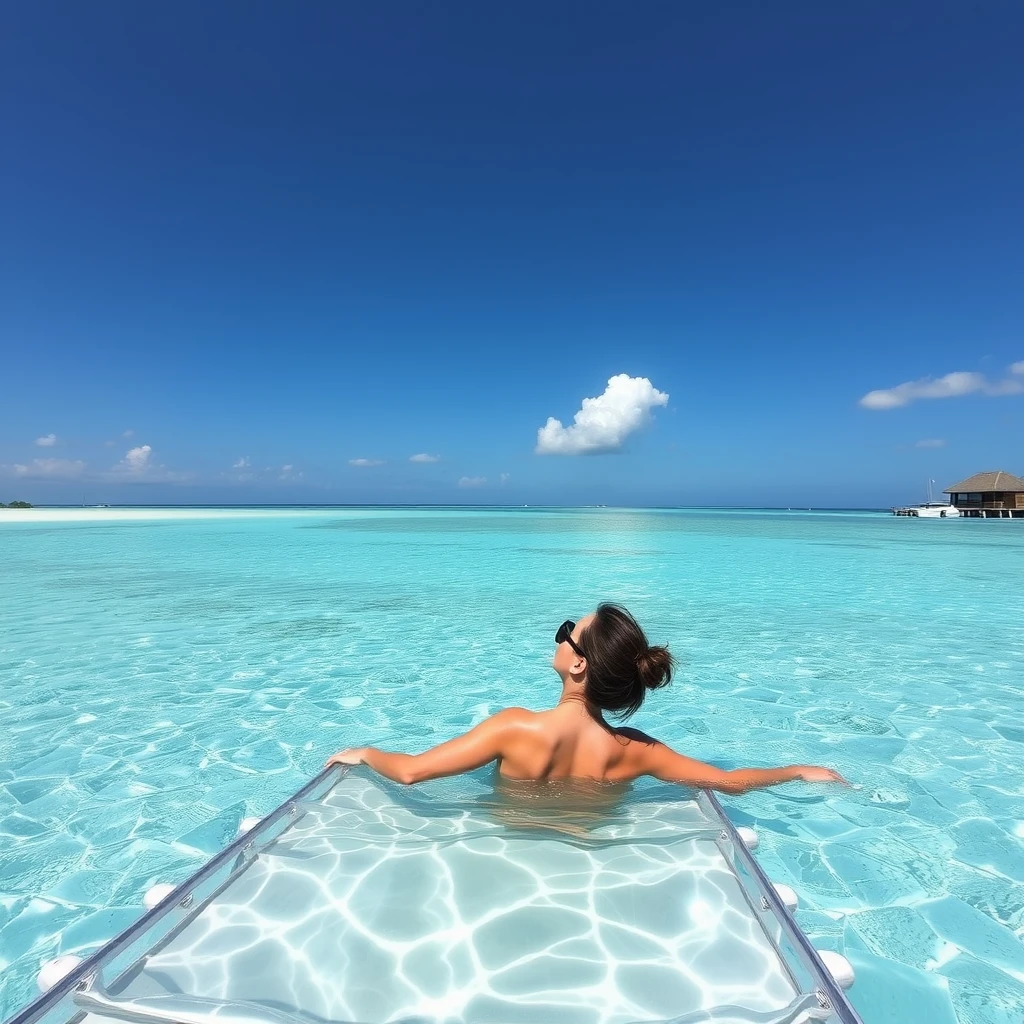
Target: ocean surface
x,y
165,673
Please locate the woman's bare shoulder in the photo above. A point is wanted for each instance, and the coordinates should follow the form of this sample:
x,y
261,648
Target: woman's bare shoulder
x,y
512,717
640,752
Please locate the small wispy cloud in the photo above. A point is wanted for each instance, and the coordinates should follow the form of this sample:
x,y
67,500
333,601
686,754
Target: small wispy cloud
x,y
135,461
952,385
505,477
138,466
128,433
931,442
365,462
603,423
289,472
424,457
54,469
47,440
472,481
241,472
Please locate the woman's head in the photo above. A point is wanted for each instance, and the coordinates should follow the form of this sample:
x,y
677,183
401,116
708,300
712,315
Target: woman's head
x,y
608,654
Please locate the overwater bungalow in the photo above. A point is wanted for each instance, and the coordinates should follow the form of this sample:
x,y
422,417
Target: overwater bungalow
x,y
992,495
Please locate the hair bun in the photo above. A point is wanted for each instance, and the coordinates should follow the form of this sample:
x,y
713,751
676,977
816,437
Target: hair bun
x,y
654,666
621,665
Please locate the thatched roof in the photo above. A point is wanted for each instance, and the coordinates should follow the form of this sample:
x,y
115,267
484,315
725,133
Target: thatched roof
x,y
981,483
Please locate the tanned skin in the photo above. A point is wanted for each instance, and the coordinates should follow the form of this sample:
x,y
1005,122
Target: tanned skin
x,y
569,741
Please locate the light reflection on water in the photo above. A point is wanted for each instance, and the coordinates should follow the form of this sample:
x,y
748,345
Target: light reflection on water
x,y
158,684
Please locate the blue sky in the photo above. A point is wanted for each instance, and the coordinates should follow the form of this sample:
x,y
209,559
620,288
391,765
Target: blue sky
x,y
240,237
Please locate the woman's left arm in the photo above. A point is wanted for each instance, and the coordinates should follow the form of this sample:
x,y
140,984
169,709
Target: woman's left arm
x,y
483,743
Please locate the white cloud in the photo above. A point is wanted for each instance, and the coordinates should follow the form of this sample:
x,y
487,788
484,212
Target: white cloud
x,y
505,477
472,481
240,471
66,469
931,442
953,385
366,462
135,461
603,423
138,466
424,457
1017,367
128,433
47,441
290,473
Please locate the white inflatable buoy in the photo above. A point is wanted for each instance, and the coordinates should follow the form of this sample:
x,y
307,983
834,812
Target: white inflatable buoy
x,y
156,894
787,895
838,966
56,970
749,837
247,825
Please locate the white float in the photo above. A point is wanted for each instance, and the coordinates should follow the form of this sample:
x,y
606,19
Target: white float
x,y
787,895
749,837
54,971
838,966
247,825
156,894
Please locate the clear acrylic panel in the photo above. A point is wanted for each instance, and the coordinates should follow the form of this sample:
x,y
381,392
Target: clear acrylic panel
x,y
363,902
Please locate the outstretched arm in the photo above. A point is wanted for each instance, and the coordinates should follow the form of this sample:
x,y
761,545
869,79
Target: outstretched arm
x,y
664,763
483,743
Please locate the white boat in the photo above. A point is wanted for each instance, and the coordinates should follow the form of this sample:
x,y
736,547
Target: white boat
x,y
929,509
935,510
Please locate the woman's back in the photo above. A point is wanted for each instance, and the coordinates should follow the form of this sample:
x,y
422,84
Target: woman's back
x,y
566,742
606,666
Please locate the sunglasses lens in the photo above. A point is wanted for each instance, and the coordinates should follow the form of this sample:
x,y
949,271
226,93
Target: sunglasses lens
x,y
564,632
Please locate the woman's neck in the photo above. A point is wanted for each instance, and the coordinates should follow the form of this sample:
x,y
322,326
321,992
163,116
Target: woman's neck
x,y
572,697
573,700
572,693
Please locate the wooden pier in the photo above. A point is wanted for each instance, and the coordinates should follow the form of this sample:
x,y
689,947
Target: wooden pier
x,y
985,512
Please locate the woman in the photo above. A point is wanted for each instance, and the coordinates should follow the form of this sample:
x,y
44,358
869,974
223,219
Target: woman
x,y
606,666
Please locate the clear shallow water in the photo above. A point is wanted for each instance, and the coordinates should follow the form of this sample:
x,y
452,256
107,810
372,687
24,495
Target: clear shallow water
x,y
440,904
161,678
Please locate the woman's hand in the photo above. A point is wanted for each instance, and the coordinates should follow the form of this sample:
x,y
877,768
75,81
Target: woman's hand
x,y
812,773
355,755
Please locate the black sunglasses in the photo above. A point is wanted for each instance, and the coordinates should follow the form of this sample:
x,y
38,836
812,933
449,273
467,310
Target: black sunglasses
x,y
564,636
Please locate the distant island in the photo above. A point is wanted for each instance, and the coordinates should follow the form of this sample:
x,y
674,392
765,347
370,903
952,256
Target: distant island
x,y
16,504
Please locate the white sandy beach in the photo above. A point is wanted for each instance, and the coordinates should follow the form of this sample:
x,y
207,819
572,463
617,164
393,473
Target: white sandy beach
x,y
100,515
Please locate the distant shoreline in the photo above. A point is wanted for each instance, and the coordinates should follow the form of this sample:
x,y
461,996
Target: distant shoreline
x,y
127,513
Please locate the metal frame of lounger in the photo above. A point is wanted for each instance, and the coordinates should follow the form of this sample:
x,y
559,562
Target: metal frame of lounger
x,y
758,886
83,991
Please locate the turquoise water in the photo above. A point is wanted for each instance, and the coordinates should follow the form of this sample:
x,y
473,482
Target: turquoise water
x,y
161,678
442,903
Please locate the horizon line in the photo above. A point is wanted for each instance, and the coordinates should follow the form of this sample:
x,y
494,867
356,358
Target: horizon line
x,y
413,505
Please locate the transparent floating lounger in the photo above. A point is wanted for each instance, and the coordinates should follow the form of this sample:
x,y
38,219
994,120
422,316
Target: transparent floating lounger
x,y
363,902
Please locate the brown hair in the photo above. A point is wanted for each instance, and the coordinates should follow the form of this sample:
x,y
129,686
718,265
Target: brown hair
x,y
621,665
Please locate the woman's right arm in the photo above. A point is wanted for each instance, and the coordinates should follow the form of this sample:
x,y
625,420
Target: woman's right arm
x,y
484,743
664,763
